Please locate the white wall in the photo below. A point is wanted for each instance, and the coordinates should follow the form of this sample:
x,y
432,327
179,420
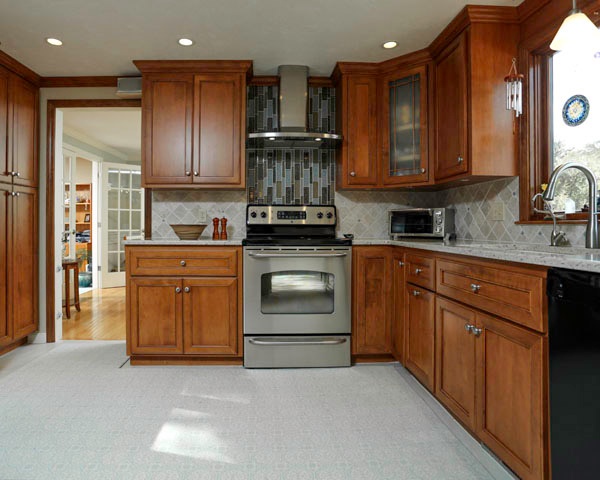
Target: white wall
x,y
83,173
45,95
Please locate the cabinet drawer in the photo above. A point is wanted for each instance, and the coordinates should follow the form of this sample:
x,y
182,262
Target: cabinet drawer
x,y
420,271
512,294
221,262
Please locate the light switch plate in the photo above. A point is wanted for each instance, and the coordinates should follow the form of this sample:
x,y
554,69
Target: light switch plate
x,y
201,215
497,212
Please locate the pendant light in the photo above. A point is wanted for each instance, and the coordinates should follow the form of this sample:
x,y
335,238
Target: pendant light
x,y
576,32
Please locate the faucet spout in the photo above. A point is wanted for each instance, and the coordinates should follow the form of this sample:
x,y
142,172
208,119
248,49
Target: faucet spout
x,y
592,240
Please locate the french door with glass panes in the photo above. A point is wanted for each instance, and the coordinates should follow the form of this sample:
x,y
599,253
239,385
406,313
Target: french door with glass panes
x,y
122,218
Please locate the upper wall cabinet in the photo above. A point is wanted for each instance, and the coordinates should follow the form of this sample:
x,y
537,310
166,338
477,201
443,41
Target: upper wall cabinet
x,y
18,130
193,123
476,137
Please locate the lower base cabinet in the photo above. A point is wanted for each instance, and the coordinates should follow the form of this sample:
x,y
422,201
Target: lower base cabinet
x,y
489,375
419,333
183,318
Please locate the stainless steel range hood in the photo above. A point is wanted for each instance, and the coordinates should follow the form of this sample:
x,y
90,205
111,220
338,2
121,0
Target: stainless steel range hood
x,y
293,118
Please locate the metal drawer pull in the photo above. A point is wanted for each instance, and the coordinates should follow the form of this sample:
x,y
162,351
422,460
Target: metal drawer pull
x,y
477,331
278,342
186,289
177,290
469,328
460,159
296,255
418,270
182,263
416,293
400,263
475,287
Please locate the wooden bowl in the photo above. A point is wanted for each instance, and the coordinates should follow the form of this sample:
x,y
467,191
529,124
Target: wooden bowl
x,y
188,232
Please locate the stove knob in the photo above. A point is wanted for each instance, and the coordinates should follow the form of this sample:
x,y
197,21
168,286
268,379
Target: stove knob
x,y
253,214
320,215
263,214
329,215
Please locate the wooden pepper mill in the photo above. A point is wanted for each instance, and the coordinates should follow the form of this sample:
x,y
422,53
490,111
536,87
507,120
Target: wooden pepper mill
x,y
215,228
223,228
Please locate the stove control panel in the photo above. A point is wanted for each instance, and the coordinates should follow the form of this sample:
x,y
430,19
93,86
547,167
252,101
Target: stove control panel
x,y
291,215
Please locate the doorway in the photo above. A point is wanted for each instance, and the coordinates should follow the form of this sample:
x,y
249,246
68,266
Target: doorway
x,y
99,204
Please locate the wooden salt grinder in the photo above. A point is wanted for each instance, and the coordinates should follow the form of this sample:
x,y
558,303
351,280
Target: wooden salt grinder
x,y
223,228
215,228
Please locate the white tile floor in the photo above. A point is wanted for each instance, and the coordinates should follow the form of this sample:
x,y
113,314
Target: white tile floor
x,y
68,411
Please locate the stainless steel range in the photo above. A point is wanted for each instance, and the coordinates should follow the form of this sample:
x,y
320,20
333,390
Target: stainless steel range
x,y
296,288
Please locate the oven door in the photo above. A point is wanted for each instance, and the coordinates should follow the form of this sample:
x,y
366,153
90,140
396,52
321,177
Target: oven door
x,y
297,290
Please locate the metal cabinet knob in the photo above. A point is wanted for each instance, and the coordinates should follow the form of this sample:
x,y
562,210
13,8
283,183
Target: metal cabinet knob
x,y
400,263
18,174
188,173
418,270
196,174
177,290
423,170
186,289
469,328
475,288
182,263
416,293
460,159
353,174
477,331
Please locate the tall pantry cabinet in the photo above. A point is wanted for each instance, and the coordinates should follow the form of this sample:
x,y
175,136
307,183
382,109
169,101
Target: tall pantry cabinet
x,y
18,209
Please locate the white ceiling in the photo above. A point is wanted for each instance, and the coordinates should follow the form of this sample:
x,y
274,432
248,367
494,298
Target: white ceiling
x,y
102,37
117,128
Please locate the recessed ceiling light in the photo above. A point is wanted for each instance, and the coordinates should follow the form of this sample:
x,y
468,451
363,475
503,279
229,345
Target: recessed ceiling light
x,y
272,138
54,41
318,139
185,42
390,44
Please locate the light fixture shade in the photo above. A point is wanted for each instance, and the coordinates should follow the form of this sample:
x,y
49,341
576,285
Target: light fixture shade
x,y
577,32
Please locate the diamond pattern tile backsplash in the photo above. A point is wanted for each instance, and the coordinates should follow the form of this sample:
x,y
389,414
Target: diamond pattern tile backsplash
x,y
290,175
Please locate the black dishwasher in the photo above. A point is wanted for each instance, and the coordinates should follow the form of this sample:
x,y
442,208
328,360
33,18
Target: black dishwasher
x,y
574,340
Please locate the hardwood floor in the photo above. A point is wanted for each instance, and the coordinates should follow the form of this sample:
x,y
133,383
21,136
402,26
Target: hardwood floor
x,y
102,316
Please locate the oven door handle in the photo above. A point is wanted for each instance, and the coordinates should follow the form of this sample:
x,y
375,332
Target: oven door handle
x,y
296,255
279,342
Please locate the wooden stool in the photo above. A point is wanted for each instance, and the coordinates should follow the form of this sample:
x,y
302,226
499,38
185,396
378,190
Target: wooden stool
x,y
67,266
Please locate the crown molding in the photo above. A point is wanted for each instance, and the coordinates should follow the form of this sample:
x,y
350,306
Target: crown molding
x,y
19,69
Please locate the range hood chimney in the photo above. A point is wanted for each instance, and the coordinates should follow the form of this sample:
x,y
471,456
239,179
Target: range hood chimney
x,y
293,117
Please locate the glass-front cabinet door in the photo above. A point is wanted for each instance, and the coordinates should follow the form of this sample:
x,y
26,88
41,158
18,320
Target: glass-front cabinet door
x,y
404,139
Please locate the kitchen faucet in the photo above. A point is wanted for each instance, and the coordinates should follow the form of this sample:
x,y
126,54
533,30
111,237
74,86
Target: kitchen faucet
x,y
591,234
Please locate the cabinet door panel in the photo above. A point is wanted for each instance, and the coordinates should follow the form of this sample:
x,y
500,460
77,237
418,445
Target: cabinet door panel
x,y
210,316
511,407
455,359
420,334
361,138
218,113
452,154
5,166
5,322
167,129
24,104
399,306
155,315
372,301
24,262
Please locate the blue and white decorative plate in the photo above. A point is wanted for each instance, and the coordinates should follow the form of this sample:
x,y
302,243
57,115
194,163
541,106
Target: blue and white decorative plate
x,y
576,110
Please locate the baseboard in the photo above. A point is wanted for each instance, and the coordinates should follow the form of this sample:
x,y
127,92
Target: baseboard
x,y
37,337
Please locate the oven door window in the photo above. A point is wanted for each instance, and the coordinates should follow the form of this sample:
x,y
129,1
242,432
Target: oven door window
x,y
297,291
418,222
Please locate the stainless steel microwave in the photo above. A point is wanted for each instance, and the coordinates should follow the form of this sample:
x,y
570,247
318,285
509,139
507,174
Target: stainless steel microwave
x,y
421,222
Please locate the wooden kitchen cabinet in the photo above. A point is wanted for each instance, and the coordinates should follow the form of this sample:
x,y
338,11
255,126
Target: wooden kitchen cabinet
x,y
512,396
455,359
404,138
419,353
193,123
5,166
398,310
371,303
357,121
19,258
476,137
183,304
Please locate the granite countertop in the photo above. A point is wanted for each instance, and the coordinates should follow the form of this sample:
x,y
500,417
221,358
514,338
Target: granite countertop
x,y
575,258
171,242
